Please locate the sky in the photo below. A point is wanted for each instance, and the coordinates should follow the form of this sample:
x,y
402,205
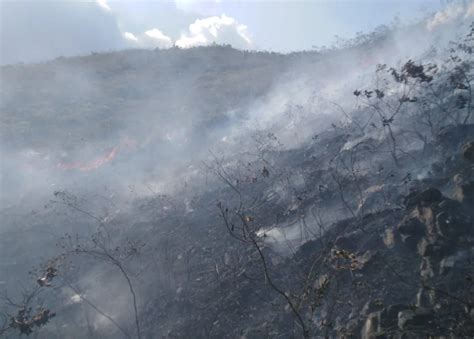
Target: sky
x,y
35,31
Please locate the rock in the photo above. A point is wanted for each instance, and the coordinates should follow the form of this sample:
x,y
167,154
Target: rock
x,y
423,298
363,259
378,324
371,326
389,238
447,264
425,248
464,193
468,151
464,177
352,327
436,249
372,306
426,215
426,268
389,317
418,318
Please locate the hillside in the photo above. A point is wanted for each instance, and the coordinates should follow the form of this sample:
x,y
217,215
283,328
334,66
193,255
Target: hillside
x,y
219,193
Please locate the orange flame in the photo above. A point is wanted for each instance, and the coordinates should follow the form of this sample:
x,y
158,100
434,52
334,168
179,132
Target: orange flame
x,y
93,165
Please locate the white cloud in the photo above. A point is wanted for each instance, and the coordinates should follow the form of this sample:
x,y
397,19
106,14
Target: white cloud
x,y
158,35
450,14
130,36
149,39
103,4
219,29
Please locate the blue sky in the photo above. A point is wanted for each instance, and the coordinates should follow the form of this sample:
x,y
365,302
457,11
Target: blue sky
x,y
296,25
40,30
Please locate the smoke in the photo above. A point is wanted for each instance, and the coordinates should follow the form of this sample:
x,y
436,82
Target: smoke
x,y
451,14
158,116
139,124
